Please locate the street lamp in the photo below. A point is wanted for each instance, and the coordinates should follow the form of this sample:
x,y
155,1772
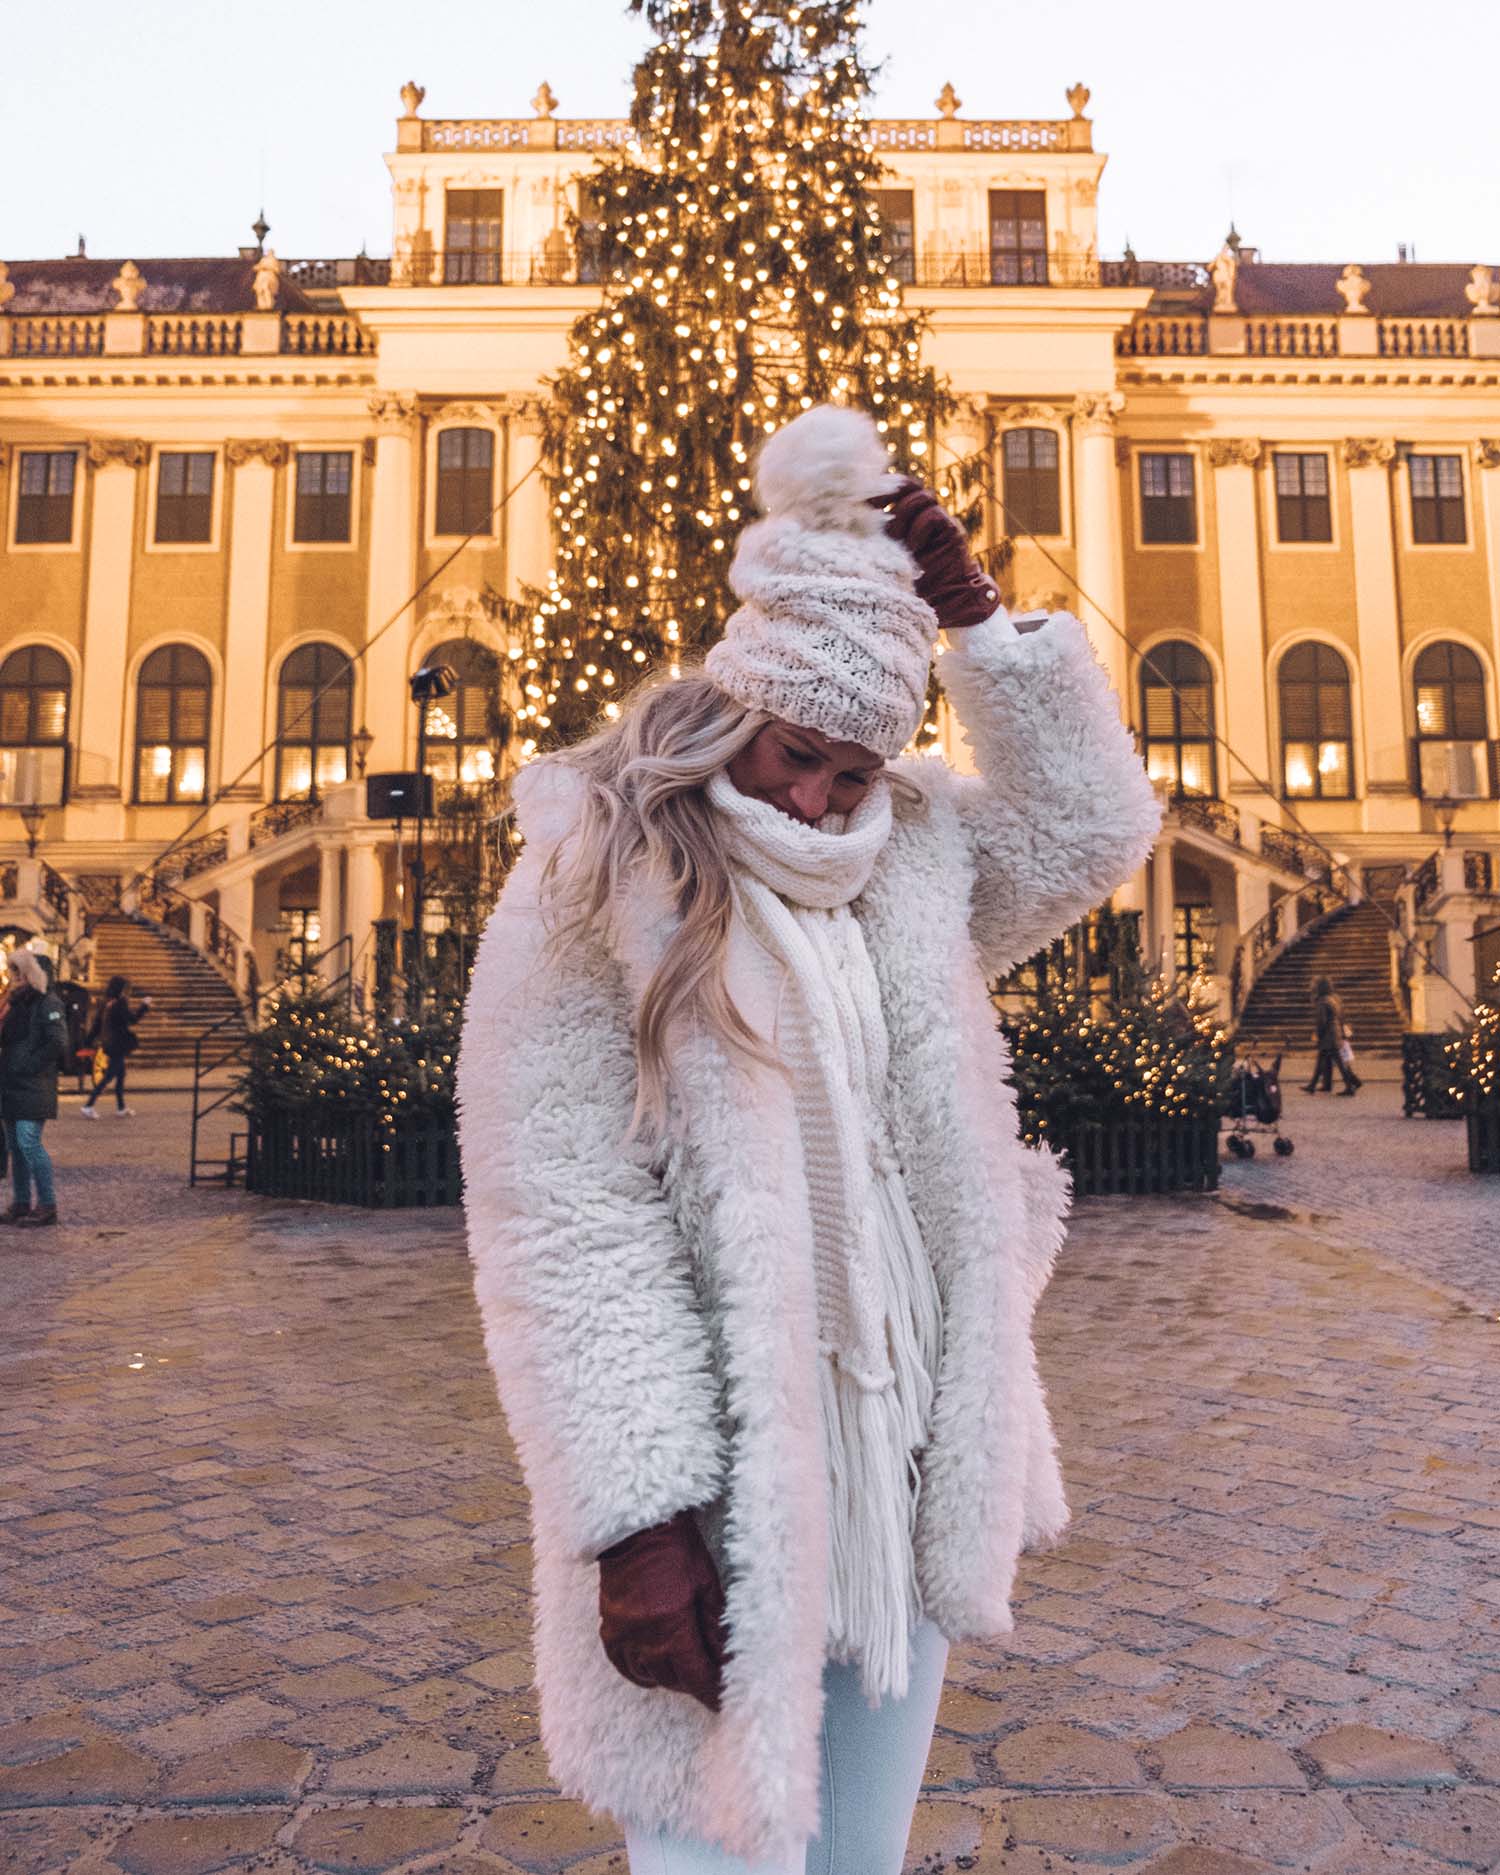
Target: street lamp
x,y
1446,809
363,742
428,684
33,818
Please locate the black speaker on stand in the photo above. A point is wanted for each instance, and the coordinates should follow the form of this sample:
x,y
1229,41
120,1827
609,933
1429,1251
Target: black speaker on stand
x,y
398,796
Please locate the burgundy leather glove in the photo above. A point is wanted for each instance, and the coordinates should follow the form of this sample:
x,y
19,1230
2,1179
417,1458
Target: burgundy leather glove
x,y
951,581
661,1610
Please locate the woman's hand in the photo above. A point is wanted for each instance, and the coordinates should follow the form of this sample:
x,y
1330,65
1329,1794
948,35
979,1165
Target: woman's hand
x,y
661,1610
951,580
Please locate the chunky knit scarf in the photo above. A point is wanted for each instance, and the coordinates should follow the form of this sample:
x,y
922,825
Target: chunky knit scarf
x,y
879,1311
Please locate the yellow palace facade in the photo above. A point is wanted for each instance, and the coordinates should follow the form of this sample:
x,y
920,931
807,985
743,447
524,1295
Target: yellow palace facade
x,y
1271,491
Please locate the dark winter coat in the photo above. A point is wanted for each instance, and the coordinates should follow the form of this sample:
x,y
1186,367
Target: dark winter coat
x,y
116,1027
33,1041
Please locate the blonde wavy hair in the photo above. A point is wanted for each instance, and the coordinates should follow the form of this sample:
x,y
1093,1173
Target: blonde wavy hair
x,y
646,811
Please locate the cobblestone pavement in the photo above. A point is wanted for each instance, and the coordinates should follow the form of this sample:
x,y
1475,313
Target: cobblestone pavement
x,y
263,1558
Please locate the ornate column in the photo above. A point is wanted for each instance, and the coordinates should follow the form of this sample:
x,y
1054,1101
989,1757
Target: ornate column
x,y
1096,521
102,766
1377,612
364,892
1161,935
525,520
1487,467
252,463
394,532
1234,460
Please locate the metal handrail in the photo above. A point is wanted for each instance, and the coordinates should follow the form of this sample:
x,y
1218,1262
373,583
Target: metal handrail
x,y
235,1052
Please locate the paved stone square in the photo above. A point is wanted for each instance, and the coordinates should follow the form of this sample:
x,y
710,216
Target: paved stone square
x,y
263,1558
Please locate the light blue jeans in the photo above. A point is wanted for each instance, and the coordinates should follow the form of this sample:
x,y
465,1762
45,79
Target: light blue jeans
x,y
28,1161
872,1775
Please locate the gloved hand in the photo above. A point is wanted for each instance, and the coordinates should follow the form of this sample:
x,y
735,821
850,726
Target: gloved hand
x,y
950,581
661,1610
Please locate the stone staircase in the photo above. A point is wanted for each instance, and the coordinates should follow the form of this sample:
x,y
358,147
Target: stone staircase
x,y
189,995
1353,952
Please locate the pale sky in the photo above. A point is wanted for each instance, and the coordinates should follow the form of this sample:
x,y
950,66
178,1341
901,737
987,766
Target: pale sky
x,y
1330,129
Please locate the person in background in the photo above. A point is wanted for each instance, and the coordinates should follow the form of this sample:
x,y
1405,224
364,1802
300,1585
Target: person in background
x,y
113,1034
1328,1022
33,1040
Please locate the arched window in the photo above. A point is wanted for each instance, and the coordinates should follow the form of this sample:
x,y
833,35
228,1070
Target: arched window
x,y
35,687
1452,722
465,473
1316,724
171,725
1033,496
464,730
1177,716
314,711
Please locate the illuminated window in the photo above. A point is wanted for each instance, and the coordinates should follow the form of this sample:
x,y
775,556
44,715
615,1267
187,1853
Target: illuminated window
x,y
1177,714
1303,512
314,711
465,730
1437,500
465,470
1191,925
1033,494
44,501
184,497
171,726
1452,748
35,690
1316,724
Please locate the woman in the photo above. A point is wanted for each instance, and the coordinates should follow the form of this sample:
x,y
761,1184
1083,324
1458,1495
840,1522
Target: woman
x,y
756,1244
33,1040
113,1033
1330,1035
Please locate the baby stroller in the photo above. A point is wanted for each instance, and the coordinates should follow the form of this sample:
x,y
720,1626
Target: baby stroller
x,y
1254,1106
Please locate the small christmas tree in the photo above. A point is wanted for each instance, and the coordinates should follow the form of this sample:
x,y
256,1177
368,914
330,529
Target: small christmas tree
x,y
312,1056
745,277
1140,1049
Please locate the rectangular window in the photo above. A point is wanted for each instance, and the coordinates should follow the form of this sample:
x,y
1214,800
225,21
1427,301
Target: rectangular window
x,y
472,237
1303,510
32,775
44,501
1033,492
1018,237
591,255
184,497
324,479
1169,509
1437,500
898,231
464,462
1190,950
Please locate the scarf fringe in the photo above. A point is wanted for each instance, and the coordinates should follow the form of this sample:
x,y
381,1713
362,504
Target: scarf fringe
x,y
873,1435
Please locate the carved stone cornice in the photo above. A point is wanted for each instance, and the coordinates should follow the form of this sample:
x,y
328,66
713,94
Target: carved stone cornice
x,y
1094,412
527,411
1487,452
125,452
394,412
267,449
1368,452
1029,413
1234,452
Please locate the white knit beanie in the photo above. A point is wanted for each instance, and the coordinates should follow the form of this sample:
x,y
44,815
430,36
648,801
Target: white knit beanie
x,y
830,633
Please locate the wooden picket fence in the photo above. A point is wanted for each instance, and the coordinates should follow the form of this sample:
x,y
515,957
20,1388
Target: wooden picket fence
x,y
347,1160
1141,1158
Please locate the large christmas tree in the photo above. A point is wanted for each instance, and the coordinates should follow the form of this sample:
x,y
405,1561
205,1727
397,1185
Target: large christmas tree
x,y
744,277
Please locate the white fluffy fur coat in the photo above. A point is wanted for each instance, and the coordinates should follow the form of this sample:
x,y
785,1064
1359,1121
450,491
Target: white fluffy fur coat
x,y
652,1335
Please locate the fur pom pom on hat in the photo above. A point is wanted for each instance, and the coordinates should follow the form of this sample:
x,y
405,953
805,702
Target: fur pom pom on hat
x,y
830,633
